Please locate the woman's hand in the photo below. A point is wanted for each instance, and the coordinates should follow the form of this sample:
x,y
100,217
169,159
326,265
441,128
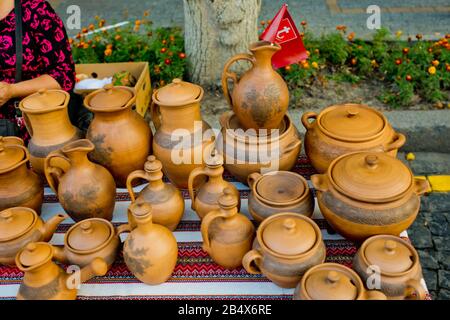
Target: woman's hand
x,y
6,92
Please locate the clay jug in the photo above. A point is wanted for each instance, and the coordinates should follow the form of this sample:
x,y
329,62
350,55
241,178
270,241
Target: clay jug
x,y
181,137
47,120
85,190
205,199
167,201
44,280
150,251
227,234
121,137
19,186
260,98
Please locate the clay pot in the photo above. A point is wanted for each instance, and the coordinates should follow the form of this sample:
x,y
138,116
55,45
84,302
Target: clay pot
x,y
332,281
89,239
365,194
181,137
260,98
121,137
150,251
45,280
246,152
166,200
47,120
342,129
19,186
20,226
85,189
206,198
397,263
279,191
227,234
286,245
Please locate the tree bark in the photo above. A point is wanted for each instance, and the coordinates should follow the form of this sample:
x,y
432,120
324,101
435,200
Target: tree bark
x,y
216,30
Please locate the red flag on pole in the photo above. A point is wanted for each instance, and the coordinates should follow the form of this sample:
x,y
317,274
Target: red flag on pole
x,y
282,30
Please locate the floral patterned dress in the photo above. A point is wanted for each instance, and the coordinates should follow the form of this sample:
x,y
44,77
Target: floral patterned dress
x,y
46,50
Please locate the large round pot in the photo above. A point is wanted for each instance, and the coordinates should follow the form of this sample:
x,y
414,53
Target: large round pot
x,y
286,245
122,138
395,262
347,128
365,194
279,191
246,152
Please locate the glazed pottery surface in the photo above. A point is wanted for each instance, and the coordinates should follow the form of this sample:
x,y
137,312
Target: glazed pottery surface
x,y
206,198
182,137
20,226
19,186
279,191
85,190
260,98
286,246
47,120
150,251
365,194
166,200
397,263
227,234
121,137
89,239
45,280
332,281
262,151
347,128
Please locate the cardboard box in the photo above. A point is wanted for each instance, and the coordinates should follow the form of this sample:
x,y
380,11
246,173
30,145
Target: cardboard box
x,y
140,70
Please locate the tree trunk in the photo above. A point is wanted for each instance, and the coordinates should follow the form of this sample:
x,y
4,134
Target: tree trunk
x,y
216,30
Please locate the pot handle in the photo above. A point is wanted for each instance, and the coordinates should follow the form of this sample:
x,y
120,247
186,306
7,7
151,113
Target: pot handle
x,y
421,186
252,256
320,182
374,295
223,119
60,254
138,174
52,173
293,145
252,178
123,228
232,75
305,119
155,115
414,290
206,222
194,174
398,142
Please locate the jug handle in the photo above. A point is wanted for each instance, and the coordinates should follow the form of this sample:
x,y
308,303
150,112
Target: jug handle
x,y
138,174
414,290
51,172
252,256
27,124
320,182
305,119
397,143
206,222
252,178
194,174
232,75
421,186
154,113
123,228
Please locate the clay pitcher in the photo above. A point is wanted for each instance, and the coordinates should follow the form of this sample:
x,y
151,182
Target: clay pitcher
x,y
47,120
19,186
260,99
85,190
206,198
121,137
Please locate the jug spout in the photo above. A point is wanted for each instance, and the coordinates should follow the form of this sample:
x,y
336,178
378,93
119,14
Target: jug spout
x,y
51,225
97,267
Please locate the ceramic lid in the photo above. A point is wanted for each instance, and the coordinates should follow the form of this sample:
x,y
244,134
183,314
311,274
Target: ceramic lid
x,y
228,200
327,282
152,164
214,160
110,97
389,254
352,122
371,177
289,235
9,155
89,234
44,99
280,187
34,254
141,209
178,93
15,222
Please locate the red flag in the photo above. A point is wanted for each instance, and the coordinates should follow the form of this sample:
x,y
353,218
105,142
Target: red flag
x,y
282,30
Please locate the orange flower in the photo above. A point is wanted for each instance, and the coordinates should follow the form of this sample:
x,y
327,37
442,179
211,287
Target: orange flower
x,y
109,46
91,27
70,41
374,63
315,65
85,46
263,22
435,63
269,21
432,70
101,23
287,68
172,38
430,50
405,50
308,53
304,23
182,55
351,36
341,28
408,77
78,36
146,13
354,61
108,52
316,51
84,30
163,50
447,67
118,37
398,61
137,22
305,64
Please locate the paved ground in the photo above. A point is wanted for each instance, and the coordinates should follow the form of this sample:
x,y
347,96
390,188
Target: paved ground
x,y
413,16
